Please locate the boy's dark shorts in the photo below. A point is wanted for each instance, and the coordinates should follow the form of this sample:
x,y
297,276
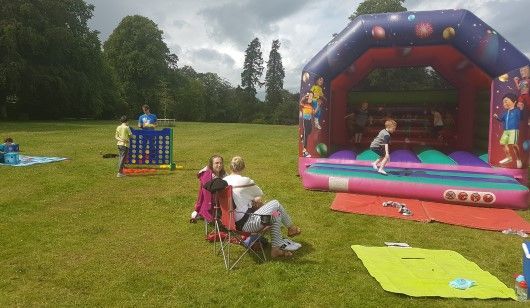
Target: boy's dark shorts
x,y
379,151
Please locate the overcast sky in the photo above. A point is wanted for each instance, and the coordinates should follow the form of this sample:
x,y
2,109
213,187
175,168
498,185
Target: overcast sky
x,y
212,35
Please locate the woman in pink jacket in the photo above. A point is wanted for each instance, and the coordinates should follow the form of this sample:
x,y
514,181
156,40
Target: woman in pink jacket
x,y
203,205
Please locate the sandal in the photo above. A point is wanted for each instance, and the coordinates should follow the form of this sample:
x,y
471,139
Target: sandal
x,y
293,231
280,253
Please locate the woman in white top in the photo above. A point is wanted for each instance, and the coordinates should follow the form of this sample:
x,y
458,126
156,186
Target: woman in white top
x,y
249,208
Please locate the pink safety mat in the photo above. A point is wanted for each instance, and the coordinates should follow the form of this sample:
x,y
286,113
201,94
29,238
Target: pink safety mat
x,y
467,216
476,217
373,205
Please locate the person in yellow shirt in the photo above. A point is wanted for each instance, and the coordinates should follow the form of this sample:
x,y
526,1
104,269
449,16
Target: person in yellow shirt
x,y
318,98
123,134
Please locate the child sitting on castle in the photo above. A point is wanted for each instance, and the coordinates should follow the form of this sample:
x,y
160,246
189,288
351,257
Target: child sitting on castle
x,y
522,85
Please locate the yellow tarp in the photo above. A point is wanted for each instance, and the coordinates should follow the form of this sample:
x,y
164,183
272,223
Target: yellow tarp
x,y
424,272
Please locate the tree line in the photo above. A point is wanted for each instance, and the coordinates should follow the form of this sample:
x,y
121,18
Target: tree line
x,y
53,66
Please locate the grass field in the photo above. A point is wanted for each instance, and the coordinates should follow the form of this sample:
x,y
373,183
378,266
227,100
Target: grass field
x,y
74,234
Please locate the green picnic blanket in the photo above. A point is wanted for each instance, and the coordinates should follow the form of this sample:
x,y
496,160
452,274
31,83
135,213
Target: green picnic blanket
x,y
424,272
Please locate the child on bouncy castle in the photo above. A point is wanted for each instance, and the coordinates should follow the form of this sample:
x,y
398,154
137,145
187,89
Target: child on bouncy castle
x,y
380,146
318,97
523,84
511,118
308,112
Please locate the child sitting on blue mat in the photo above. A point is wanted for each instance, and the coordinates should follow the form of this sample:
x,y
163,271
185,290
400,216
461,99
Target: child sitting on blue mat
x,y
8,146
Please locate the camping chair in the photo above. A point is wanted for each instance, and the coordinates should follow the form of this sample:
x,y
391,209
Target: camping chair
x,y
234,236
210,226
214,186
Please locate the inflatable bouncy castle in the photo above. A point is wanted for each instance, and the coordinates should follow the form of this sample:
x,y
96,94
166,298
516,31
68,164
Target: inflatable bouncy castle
x,y
478,152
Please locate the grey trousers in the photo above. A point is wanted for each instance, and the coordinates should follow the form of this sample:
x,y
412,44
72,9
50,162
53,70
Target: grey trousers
x,y
122,151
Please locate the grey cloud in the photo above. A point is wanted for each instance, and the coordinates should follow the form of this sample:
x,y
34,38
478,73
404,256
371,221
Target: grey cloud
x,y
166,36
107,15
240,22
274,10
179,23
212,55
286,43
176,49
509,20
210,60
292,78
507,17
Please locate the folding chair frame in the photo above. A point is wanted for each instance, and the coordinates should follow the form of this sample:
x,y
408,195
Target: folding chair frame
x,y
226,222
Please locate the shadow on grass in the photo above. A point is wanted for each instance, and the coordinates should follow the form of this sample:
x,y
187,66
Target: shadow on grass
x,y
237,250
306,249
148,174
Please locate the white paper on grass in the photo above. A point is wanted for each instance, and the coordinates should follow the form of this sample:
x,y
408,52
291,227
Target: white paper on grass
x,y
400,245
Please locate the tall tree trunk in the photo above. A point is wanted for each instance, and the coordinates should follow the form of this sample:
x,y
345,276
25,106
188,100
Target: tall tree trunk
x,y
3,108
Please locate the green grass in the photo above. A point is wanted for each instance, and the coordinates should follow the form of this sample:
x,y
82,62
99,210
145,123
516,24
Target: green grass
x,y
71,233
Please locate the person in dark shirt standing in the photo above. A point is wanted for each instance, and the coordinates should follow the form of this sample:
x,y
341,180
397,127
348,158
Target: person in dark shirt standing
x,y
380,146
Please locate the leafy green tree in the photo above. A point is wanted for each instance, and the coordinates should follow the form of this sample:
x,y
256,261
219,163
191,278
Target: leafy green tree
x,y
233,101
287,111
189,93
188,72
436,81
169,94
140,58
378,6
191,101
274,77
245,106
172,61
50,61
253,67
11,61
408,78
216,90
165,97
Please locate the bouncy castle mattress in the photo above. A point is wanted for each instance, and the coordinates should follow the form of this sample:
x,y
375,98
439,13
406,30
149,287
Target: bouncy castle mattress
x,y
448,186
